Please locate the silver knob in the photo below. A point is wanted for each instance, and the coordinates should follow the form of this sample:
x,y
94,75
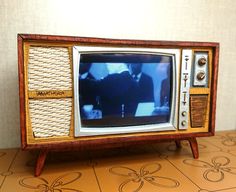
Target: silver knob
x,y
183,123
184,113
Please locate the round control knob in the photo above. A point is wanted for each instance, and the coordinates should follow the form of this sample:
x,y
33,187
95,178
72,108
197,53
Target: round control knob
x,y
201,75
184,113
202,61
183,123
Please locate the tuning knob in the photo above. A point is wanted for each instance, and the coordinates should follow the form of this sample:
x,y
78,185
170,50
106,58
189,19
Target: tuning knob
x,y
184,113
183,123
202,61
201,75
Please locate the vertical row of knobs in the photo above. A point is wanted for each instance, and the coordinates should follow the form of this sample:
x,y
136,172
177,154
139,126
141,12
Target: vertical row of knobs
x,y
183,123
201,75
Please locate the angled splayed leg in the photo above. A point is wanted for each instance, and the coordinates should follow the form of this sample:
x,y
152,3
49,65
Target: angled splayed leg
x,y
178,144
194,147
40,162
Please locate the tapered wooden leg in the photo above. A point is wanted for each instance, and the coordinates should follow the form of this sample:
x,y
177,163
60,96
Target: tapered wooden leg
x,y
178,144
40,162
194,147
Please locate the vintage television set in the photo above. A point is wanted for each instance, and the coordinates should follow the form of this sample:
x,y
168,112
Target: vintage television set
x,y
83,93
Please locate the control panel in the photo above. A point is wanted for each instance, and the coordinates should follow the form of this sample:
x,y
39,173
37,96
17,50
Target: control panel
x,y
200,70
184,88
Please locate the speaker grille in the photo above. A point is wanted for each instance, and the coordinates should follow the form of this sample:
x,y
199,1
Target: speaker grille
x,y
49,69
198,106
50,117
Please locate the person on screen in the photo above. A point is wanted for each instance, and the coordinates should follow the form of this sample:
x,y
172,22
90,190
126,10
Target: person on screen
x,y
118,91
165,86
87,94
145,83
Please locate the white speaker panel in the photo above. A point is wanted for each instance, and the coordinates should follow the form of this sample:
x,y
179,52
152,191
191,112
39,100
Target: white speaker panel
x,y
49,69
50,117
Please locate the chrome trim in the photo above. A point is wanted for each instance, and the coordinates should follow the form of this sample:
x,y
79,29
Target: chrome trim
x,y
170,126
185,87
197,68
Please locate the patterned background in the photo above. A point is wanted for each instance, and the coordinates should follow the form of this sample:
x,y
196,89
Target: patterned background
x,y
145,168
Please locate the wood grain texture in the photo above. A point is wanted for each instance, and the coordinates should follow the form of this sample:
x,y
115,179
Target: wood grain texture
x,y
214,82
198,108
204,90
112,141
194,147
117,42
40,162
21,91
108,141
63,41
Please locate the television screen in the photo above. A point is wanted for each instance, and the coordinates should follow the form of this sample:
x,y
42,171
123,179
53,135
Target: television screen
x,y
118,89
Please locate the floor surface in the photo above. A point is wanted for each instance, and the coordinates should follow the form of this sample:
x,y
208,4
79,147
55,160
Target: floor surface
x,y
149,168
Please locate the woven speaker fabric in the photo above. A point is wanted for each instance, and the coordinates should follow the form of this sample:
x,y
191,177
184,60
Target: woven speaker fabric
x,y
49,69
50,117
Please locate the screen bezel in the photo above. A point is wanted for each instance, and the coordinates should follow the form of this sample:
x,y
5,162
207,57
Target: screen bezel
x,y
93,131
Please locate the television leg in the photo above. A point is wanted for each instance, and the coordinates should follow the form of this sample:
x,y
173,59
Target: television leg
x,y
178,144
194,147
40,162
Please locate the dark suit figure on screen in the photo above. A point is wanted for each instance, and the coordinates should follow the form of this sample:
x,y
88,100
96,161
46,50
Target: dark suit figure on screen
x,y
165,89
87,93
145,83
117,91
165,92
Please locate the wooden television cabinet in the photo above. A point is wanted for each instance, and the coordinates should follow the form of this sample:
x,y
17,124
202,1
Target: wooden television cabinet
x,y
46,90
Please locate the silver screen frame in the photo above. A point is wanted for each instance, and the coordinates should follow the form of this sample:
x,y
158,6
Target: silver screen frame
x,y
80,131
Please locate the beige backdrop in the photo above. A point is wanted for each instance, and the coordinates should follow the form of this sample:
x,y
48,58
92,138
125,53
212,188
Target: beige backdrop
x,y
191,20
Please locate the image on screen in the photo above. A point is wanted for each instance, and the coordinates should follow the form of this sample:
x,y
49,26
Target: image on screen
x,y
124,89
